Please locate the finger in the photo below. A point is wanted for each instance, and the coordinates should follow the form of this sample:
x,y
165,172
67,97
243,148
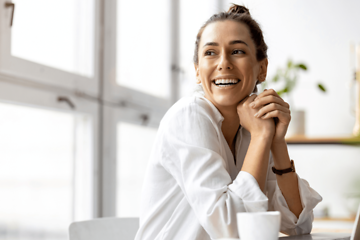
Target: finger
x,y
282,116
271,107
268,92
259,102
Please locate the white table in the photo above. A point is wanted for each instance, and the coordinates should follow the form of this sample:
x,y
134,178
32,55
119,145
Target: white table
x,y
313,236
319,236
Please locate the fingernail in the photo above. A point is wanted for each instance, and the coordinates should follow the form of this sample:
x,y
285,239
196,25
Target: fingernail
x,y
256,114
252,105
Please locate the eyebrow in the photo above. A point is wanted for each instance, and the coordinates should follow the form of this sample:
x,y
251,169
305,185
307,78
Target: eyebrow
x,y
231,43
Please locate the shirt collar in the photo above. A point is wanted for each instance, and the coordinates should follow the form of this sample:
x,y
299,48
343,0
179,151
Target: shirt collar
x,y
218,117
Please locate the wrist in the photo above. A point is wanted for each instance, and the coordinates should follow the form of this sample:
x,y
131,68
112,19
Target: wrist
x,y
280,154
263,137
268,135
278,142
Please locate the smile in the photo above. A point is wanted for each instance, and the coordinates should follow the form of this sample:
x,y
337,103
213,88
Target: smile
x,y
225,82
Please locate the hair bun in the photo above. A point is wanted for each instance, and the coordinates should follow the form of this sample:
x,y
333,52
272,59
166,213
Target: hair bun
x,y
238,9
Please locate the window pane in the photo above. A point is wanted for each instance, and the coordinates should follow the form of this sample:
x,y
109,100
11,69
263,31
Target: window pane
x,y
57,33
134,147
143,59
41,154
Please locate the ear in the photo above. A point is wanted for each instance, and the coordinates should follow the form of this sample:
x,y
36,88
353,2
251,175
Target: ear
x,y
197,74
263,70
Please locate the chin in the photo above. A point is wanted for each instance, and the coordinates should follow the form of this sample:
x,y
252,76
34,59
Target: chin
x,y
227,101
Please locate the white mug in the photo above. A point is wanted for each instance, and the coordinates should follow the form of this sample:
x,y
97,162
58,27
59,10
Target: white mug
x,y
259,225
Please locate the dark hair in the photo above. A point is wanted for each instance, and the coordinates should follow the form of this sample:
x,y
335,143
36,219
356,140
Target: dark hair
x,y
239,14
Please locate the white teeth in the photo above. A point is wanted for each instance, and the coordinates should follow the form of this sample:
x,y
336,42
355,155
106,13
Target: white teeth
x,y
226,81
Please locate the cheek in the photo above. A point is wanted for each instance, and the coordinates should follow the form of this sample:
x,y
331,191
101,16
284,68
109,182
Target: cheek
x,y
248,68
205,69
245,63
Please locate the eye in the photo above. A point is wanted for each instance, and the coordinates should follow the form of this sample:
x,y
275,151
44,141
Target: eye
x,y
238,51
209,53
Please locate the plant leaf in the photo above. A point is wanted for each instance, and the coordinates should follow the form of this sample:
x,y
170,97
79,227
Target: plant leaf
x,y
302,66
276,78
282,91
322,88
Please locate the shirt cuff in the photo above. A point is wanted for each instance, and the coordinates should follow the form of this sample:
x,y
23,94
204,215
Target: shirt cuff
x,y
247,188
290,224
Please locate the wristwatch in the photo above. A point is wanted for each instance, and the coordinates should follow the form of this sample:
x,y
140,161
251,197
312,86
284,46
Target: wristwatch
x,y
281,172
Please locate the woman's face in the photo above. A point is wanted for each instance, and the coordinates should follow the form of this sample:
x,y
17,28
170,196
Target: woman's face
x,y
228,68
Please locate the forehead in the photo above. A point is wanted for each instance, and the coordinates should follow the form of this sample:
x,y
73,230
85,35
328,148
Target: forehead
x,y
225,31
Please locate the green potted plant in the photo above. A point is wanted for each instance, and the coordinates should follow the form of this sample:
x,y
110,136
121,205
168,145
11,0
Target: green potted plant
x,y
288,77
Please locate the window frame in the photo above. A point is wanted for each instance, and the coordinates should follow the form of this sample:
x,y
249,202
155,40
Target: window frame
x,y
36,72
13,91
133,106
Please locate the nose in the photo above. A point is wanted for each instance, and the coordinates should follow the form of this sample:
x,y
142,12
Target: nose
x,y
224,63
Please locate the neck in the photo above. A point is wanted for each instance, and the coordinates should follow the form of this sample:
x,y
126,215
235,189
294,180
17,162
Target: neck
x,y
230,124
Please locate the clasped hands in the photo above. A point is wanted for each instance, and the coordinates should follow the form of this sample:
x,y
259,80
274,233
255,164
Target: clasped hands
x,y
266,114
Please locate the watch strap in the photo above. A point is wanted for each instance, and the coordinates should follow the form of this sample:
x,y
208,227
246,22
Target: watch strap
x,y
287,170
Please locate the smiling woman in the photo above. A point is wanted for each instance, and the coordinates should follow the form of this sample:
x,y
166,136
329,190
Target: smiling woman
x,y
223,151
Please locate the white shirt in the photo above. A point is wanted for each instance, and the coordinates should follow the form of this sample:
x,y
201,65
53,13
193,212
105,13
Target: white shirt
x,y
193,189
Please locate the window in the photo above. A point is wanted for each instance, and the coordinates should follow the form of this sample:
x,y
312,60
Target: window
x,y
66,43
142,59
78,84
51,42
43,185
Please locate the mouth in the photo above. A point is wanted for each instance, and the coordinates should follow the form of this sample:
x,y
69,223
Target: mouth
x,y
226,82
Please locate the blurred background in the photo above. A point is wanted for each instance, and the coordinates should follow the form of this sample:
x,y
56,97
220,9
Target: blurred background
x,y
85,83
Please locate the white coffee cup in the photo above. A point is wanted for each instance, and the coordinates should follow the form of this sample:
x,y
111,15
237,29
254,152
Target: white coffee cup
x,y
259,225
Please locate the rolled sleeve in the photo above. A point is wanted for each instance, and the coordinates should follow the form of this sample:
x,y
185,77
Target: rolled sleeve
x,y
247,188
290,224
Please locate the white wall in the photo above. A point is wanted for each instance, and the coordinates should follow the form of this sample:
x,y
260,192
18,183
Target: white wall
x,y
333,171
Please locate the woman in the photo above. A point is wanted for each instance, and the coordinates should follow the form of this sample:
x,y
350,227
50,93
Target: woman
x,y
214,153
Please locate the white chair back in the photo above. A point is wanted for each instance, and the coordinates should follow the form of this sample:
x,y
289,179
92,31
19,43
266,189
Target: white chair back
x,y
104,229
